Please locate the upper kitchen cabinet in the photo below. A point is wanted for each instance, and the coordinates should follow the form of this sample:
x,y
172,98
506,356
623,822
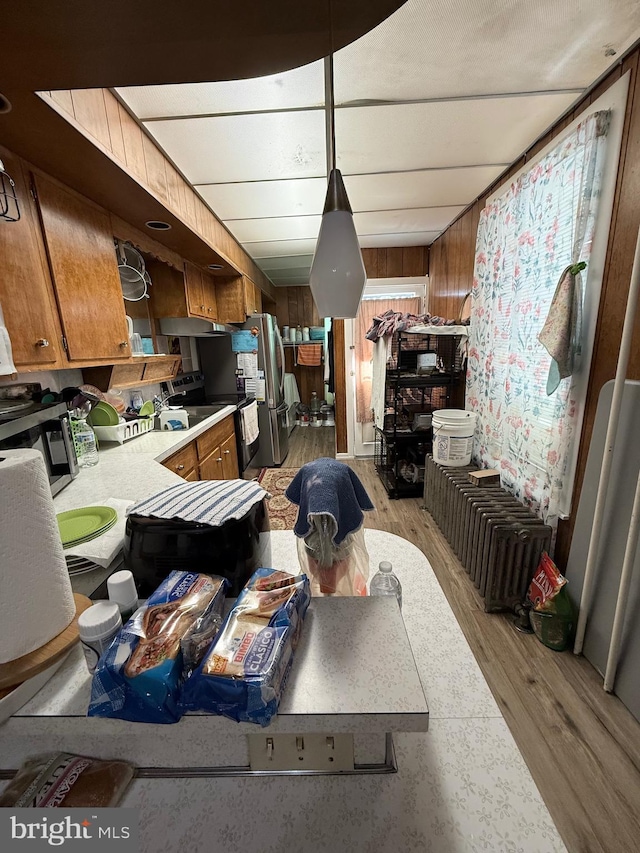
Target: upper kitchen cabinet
x,y
238,297
82,259
26,293
177,293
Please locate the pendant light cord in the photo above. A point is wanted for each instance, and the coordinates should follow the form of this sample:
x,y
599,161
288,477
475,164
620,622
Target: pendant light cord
x,y
329,97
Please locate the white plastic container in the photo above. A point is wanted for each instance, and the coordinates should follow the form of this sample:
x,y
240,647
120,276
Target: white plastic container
x,y
97,627
121,588
174,419
453,431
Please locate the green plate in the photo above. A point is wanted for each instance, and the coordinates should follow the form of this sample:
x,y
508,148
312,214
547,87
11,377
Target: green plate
x,y
103,414
147,409
80,525
91,536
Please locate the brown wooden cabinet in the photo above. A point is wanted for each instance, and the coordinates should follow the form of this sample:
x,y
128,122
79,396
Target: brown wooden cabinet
x,y
26,291
137,372
238,298
181,293
211,456
84,271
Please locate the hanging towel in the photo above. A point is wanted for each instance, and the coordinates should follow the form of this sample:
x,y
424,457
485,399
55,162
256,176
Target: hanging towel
x,y
310,355
249,422
378,380
7,367
291,393
209,502
328,487
561,334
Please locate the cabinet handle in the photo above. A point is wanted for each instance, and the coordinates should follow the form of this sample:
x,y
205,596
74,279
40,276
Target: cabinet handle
x,y
209,310
179,467
227,451
124,344
202,307
42,342
219,459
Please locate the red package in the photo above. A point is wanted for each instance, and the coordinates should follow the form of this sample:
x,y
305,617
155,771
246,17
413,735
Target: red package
x,y
546,583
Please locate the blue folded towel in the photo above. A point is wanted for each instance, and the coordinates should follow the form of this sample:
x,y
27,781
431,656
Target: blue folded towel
x,y
328,487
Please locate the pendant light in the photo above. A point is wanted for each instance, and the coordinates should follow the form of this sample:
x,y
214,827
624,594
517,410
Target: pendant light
x,y
337,276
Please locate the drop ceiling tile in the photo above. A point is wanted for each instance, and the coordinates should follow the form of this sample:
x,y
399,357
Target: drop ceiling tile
x,y
402,221
448,133
381,241
245,148
445,49
278,228
301,87
395,190
284,262
265,198
279,248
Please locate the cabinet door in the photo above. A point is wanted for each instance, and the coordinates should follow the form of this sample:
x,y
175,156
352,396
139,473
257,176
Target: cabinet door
x,y
211,467
211,305
195,290
85,274
26,292
229,455
258,299
192,476
184,461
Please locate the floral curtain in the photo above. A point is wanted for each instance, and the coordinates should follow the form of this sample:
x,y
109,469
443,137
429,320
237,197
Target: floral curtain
x,y
527,237
370,308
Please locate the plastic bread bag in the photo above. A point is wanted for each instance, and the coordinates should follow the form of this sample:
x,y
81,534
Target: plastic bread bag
x,y
243,674
334,569
64,780
139,676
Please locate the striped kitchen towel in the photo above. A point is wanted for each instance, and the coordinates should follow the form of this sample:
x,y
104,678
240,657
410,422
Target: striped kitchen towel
x,y
310,355
209,502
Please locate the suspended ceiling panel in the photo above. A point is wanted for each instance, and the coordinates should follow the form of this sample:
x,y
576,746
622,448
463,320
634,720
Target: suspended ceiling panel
x,y
302,87
447,133
245,148
285,263
396,239
444,49
265,198
390,221
280,247
395,190
284,228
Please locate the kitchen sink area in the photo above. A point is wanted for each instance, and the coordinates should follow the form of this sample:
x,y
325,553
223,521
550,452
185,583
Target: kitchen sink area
x,y
197,414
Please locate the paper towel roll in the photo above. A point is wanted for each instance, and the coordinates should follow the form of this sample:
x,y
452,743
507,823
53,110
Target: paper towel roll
x,y
36,600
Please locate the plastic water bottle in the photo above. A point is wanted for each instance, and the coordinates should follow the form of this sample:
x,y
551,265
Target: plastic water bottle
x,y
85,441
385,582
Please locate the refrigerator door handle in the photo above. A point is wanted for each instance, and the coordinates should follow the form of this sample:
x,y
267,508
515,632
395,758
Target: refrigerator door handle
x,y
283,407
281,345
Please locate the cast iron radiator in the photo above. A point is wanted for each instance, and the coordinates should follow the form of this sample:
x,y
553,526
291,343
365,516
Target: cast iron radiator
x,y
498,540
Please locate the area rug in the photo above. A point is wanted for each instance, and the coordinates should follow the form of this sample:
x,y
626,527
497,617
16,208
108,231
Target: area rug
x,y
282,513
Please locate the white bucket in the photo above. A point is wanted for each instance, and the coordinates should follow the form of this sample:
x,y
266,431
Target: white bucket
x,y
453,436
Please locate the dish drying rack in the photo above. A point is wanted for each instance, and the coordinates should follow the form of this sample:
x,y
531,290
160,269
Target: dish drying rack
x,y
123,431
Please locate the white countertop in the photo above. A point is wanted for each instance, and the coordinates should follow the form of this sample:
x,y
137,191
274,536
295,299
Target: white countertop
x,y
128,471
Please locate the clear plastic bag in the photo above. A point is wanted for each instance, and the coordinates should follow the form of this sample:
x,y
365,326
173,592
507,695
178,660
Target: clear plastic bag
x,y
334,569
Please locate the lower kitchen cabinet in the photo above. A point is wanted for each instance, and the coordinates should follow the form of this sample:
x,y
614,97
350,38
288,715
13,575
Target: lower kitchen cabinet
x,y
211,456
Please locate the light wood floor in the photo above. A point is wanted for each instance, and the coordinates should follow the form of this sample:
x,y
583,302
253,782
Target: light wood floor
x,y
582,746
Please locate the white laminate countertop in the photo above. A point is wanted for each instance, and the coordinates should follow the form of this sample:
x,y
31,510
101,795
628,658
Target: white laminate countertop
x,y
131,471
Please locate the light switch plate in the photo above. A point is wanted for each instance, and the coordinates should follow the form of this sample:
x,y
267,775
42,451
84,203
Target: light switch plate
x,y
329,753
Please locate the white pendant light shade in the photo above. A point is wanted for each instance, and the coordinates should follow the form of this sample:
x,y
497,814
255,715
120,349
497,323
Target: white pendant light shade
x,y
337,276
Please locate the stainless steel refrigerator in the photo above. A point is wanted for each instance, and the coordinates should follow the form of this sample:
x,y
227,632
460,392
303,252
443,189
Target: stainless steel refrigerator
x,y
218,363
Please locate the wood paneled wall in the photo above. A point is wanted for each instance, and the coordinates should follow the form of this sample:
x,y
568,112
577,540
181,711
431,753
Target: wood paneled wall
x,y
295,307
395,262
452,255
99,114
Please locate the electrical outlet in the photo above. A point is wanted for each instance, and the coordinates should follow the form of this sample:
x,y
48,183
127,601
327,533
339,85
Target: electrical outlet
x,y
331,753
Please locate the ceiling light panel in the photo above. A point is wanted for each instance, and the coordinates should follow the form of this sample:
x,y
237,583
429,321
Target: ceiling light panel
x,y
449,133
245,148
278,248
381,241
277,228
266,198
388,221
444,49
430,188
301,87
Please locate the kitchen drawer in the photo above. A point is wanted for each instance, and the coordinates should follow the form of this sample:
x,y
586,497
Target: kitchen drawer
x,y
184,461
214,437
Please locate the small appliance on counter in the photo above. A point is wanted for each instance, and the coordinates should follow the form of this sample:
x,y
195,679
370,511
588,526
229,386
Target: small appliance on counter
x,y
153,547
